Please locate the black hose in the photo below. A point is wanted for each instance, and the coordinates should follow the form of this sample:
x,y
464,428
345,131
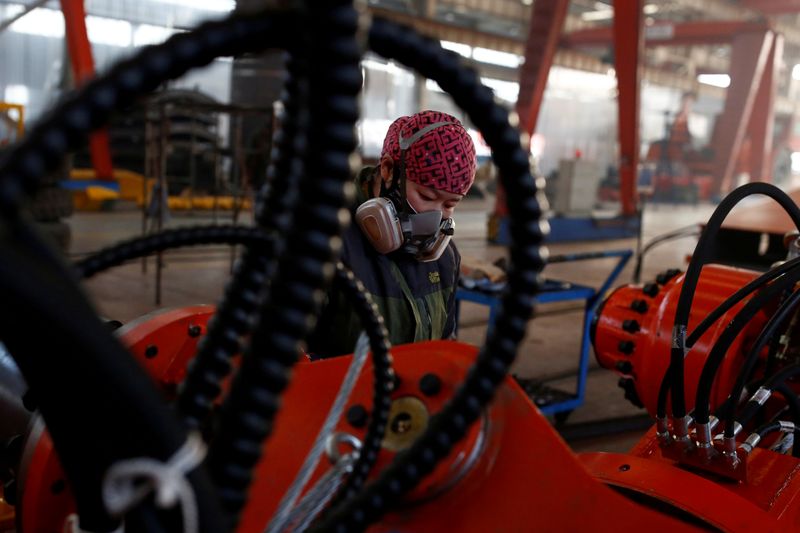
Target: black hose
x,y
737,297
75,366
752,406
769,330
768,428
296,290
383,377
490,369
170,239
78,367
701,256
729,334
237,311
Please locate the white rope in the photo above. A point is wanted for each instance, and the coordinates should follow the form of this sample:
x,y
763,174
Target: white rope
x,y
130,481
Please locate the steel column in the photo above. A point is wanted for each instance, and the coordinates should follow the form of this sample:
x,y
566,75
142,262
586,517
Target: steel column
x,y
80,53
762,118
628,47
749,54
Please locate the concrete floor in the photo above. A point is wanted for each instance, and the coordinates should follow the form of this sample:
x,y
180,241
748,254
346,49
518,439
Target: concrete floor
x,y
550,349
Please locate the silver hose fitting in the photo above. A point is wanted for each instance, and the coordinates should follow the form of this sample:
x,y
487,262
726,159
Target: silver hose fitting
x,y
662,429
703,432
761,396
729,449
750,442
680,427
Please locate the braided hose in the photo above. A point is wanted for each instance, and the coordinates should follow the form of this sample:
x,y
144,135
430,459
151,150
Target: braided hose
x,y
91,365
168,240
296,291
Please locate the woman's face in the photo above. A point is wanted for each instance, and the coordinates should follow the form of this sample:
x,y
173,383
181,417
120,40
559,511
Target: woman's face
x,y
422,199
419,197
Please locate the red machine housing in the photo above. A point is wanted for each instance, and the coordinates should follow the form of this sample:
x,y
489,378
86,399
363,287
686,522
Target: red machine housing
x,y
511,473
632,333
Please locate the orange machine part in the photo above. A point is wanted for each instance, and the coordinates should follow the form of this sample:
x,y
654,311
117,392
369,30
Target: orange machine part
x,y
768,501
632,334
511,473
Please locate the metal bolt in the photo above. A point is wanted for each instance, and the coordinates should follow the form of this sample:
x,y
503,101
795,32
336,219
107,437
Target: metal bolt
x,y
195,330
430,384
624,366
626,347
651,289
58,486
640,306
151,351
357,416
664,277
631,326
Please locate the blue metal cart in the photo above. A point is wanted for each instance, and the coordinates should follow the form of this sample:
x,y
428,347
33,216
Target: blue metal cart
x,y
549,400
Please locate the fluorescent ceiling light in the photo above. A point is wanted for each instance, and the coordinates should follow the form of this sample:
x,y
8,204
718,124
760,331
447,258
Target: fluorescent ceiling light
x,y
41,21
601,14
650,9
113,32
145,34
795,161
493,57
796,72
716,80
17,94
206,5
459,48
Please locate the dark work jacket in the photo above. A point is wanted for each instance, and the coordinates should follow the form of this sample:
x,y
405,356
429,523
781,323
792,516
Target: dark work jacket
x,y
417,300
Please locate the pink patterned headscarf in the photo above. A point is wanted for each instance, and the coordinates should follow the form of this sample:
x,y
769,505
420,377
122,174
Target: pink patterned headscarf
x,y
439,152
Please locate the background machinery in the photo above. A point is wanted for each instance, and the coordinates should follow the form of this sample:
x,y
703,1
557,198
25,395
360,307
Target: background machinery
x,y
201,419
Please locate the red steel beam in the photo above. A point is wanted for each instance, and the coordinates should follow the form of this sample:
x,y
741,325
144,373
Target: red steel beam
x,y
749,55
544,30
80,53
670,34
628,47
773,7
762,118
547,20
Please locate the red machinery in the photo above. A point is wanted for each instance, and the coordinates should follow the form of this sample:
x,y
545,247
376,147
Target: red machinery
x,y
511,473
632,332
488,462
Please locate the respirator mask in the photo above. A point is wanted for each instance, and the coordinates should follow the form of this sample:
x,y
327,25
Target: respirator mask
x,y
390,223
